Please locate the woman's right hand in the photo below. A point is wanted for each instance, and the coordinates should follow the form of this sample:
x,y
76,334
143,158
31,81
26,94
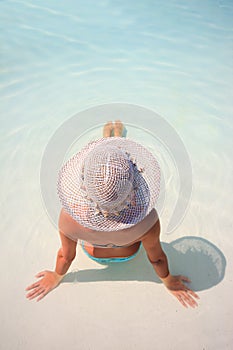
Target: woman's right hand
x,y
49,281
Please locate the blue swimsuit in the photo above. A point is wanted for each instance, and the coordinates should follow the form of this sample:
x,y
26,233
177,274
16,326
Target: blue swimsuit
x,y
109,260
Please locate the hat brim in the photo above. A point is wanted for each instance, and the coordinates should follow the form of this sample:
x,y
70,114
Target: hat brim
x,y
146,187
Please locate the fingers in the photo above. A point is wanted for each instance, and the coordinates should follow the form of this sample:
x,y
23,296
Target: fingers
x,y
185,295
35,293
186,289
189,291
41,288
42,295
193,294
189,300
186,298
36,284
32,286
181,300
36,288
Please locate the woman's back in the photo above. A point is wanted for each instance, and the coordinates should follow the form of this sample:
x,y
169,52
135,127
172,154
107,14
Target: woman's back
x,y
73,230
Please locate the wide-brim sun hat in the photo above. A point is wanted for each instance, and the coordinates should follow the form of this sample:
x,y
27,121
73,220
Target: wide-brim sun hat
x,y
111,184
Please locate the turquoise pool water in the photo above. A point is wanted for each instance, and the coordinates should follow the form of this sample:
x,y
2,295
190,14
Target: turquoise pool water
x,y
61,57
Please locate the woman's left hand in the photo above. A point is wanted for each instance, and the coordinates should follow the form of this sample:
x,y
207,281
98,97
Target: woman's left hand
x,y
184,294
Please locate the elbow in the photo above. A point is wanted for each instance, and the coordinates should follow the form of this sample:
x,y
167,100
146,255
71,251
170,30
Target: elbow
x,y
69,259
158,260
67,256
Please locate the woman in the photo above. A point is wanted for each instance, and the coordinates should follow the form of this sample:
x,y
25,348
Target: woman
x,y
108,192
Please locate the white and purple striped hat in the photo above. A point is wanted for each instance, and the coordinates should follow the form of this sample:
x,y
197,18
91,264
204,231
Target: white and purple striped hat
x,y
110,185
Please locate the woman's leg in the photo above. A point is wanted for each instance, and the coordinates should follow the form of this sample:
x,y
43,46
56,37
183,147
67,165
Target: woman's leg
x,y
108,129
118,128
115,129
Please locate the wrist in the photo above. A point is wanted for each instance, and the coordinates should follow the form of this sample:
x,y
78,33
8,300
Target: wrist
x,y
59,277
166,278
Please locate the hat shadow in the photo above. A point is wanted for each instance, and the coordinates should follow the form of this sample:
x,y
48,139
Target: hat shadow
x,y
191,256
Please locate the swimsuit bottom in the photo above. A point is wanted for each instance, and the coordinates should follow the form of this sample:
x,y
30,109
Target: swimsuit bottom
x,y
110,260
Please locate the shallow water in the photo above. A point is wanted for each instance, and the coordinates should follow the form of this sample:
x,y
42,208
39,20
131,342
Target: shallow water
x,y
173,58
60,58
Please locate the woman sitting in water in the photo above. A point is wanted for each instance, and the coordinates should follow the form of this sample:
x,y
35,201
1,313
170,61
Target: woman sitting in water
x,y
108,192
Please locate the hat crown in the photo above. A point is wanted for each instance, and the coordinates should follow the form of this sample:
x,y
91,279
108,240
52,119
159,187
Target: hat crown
x,y
108,177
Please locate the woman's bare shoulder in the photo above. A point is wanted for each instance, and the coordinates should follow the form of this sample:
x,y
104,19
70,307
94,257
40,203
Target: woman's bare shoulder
x,y
152,234
66,221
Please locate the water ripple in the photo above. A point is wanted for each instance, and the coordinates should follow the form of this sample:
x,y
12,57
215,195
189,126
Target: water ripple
x,y
52,34
47,10
91,70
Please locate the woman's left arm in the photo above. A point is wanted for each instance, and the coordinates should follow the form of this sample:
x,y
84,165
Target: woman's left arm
x,y
158,259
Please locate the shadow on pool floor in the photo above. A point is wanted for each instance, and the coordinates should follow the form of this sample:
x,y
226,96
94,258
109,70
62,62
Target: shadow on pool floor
x,y
191,256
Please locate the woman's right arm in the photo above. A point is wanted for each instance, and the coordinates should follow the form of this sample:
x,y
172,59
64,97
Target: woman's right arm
x,y
51,279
